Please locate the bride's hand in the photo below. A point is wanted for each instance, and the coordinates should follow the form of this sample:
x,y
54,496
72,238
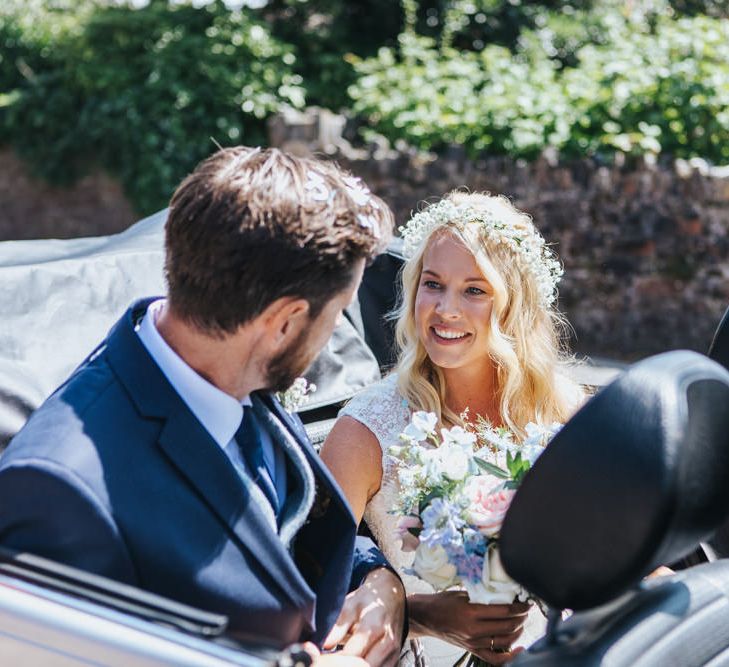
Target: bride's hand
x,y
489,631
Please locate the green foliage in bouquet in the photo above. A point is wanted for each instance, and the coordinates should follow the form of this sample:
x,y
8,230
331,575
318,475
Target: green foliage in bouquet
x,y
139,92
516,468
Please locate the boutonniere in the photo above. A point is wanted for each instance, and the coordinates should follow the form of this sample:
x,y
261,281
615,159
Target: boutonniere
x,y
297,395
322,500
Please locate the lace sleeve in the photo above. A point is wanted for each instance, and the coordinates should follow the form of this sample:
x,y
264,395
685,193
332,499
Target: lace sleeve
x,y
381,409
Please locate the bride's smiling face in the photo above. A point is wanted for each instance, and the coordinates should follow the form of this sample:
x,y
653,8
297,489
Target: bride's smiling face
x,y
452,305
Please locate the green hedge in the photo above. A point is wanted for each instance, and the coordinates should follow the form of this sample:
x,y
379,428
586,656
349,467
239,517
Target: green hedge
x,y
147,93
144,93
658,86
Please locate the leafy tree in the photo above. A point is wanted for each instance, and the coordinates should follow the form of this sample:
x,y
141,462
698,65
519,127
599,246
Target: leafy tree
x,y
145,93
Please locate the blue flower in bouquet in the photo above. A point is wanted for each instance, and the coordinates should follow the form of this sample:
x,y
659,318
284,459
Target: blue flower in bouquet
x,y
442,524
537,439
469,567
474,543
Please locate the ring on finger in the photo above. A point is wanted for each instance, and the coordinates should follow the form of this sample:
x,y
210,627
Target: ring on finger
x,y
492,645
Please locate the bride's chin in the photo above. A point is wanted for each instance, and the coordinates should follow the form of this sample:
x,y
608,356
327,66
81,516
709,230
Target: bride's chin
x,y
439,361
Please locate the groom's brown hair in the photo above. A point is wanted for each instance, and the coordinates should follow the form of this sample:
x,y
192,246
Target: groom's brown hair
x,y
249,226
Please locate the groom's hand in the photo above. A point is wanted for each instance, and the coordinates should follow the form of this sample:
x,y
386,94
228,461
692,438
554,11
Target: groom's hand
x,y
331,659
371,621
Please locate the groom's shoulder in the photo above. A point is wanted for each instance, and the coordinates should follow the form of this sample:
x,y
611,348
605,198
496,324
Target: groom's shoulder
x,y
91,406
64,420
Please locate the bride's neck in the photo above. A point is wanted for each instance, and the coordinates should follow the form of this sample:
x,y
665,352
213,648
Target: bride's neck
x,y
474,389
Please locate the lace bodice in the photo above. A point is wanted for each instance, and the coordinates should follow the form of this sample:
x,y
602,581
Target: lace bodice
x,y
385,413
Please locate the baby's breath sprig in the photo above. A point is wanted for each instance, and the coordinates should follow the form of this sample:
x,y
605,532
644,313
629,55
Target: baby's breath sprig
x,y
297,395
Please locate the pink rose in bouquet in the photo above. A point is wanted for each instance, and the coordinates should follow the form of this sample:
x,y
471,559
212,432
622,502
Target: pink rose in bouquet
x,y
488,501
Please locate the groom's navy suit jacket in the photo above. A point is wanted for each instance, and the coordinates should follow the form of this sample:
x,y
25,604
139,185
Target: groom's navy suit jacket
x,y
113,474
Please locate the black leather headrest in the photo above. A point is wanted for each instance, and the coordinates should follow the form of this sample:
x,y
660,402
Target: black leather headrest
x,y
719,350
634,480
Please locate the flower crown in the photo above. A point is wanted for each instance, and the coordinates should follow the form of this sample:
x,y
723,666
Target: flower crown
x,y
528,245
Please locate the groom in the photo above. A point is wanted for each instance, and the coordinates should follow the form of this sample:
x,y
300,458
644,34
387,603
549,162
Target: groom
x,y
167,462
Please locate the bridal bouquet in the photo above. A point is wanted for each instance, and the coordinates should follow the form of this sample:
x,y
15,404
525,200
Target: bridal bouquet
x,y
456,486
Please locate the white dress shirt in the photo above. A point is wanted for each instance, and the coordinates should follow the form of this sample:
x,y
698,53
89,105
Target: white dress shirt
x,y
220,414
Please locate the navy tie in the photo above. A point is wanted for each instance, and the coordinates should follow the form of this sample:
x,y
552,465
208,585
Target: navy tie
x,y
249,442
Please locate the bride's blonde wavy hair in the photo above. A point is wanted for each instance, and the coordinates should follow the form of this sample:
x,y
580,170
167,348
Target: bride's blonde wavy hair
x,y
526,338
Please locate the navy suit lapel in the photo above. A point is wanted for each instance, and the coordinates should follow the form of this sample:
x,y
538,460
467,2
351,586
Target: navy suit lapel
x,y
199,459
324,546
321,472
206,467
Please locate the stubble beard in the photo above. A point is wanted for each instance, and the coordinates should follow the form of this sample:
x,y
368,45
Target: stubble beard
x,y
288,365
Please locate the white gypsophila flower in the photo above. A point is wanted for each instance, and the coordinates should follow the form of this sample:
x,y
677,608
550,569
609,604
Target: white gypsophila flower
x,y
527,245
458,436
432,470
297,395
422,424
500,438
397,451
432,565
407,478
531,452
540,435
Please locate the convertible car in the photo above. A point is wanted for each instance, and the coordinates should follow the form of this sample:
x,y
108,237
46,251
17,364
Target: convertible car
x,y
636,479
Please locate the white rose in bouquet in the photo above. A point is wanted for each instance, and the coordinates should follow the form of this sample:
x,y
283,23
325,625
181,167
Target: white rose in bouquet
x,y
452,461
495,587
432,565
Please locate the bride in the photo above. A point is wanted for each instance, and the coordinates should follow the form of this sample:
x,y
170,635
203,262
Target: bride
x,y
478,336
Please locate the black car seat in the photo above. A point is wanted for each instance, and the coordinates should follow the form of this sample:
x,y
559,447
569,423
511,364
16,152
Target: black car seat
x,y
637,478
719,348
718,545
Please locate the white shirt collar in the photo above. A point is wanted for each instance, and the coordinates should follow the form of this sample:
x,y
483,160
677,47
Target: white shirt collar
x,y
221,414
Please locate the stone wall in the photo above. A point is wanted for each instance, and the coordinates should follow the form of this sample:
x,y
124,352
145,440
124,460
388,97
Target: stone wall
x,y
30,208
645,247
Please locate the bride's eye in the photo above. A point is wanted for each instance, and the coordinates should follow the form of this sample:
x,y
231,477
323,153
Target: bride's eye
x,y
431,284
476,291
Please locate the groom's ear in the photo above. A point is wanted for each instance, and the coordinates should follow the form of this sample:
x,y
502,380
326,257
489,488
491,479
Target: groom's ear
x,y
285,318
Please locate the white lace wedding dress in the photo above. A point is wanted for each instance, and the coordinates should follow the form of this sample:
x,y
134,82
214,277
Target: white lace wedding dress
x,y
385,413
